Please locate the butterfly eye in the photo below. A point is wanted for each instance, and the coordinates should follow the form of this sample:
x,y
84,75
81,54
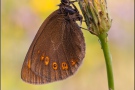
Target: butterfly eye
x,y
64,66
55,65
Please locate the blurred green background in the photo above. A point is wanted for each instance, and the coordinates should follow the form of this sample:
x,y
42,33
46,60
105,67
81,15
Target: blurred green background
x,y
20,22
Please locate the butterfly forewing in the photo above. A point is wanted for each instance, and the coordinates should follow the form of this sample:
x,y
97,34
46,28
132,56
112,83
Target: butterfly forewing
x,y
47,46
31,67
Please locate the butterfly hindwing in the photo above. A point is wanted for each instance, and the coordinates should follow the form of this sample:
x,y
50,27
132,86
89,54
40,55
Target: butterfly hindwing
x,y
56,52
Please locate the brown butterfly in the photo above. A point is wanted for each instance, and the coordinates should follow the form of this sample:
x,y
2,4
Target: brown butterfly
x,y
58,48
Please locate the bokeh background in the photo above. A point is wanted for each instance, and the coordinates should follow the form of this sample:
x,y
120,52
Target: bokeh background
x,y
20,22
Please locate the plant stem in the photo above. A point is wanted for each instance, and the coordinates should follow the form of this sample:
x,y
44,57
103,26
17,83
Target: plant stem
x,y
99,23
108,59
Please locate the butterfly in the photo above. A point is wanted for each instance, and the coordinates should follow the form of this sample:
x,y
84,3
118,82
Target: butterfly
x,y
58,48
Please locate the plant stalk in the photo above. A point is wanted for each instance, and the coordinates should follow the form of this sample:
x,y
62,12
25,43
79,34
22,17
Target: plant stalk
x,y
98,23
108,59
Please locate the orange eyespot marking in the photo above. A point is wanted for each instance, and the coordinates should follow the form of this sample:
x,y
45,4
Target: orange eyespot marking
x,y
29,64
73,62
42,58
47,60
64,66
38,51
55,65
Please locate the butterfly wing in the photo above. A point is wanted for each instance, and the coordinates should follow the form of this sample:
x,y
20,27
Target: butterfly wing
x,y
56,51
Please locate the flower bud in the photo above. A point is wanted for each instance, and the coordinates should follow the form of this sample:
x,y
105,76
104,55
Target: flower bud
x,y
96,16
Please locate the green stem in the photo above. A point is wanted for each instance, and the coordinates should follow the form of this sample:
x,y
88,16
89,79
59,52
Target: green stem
x,y
99,24
108,59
